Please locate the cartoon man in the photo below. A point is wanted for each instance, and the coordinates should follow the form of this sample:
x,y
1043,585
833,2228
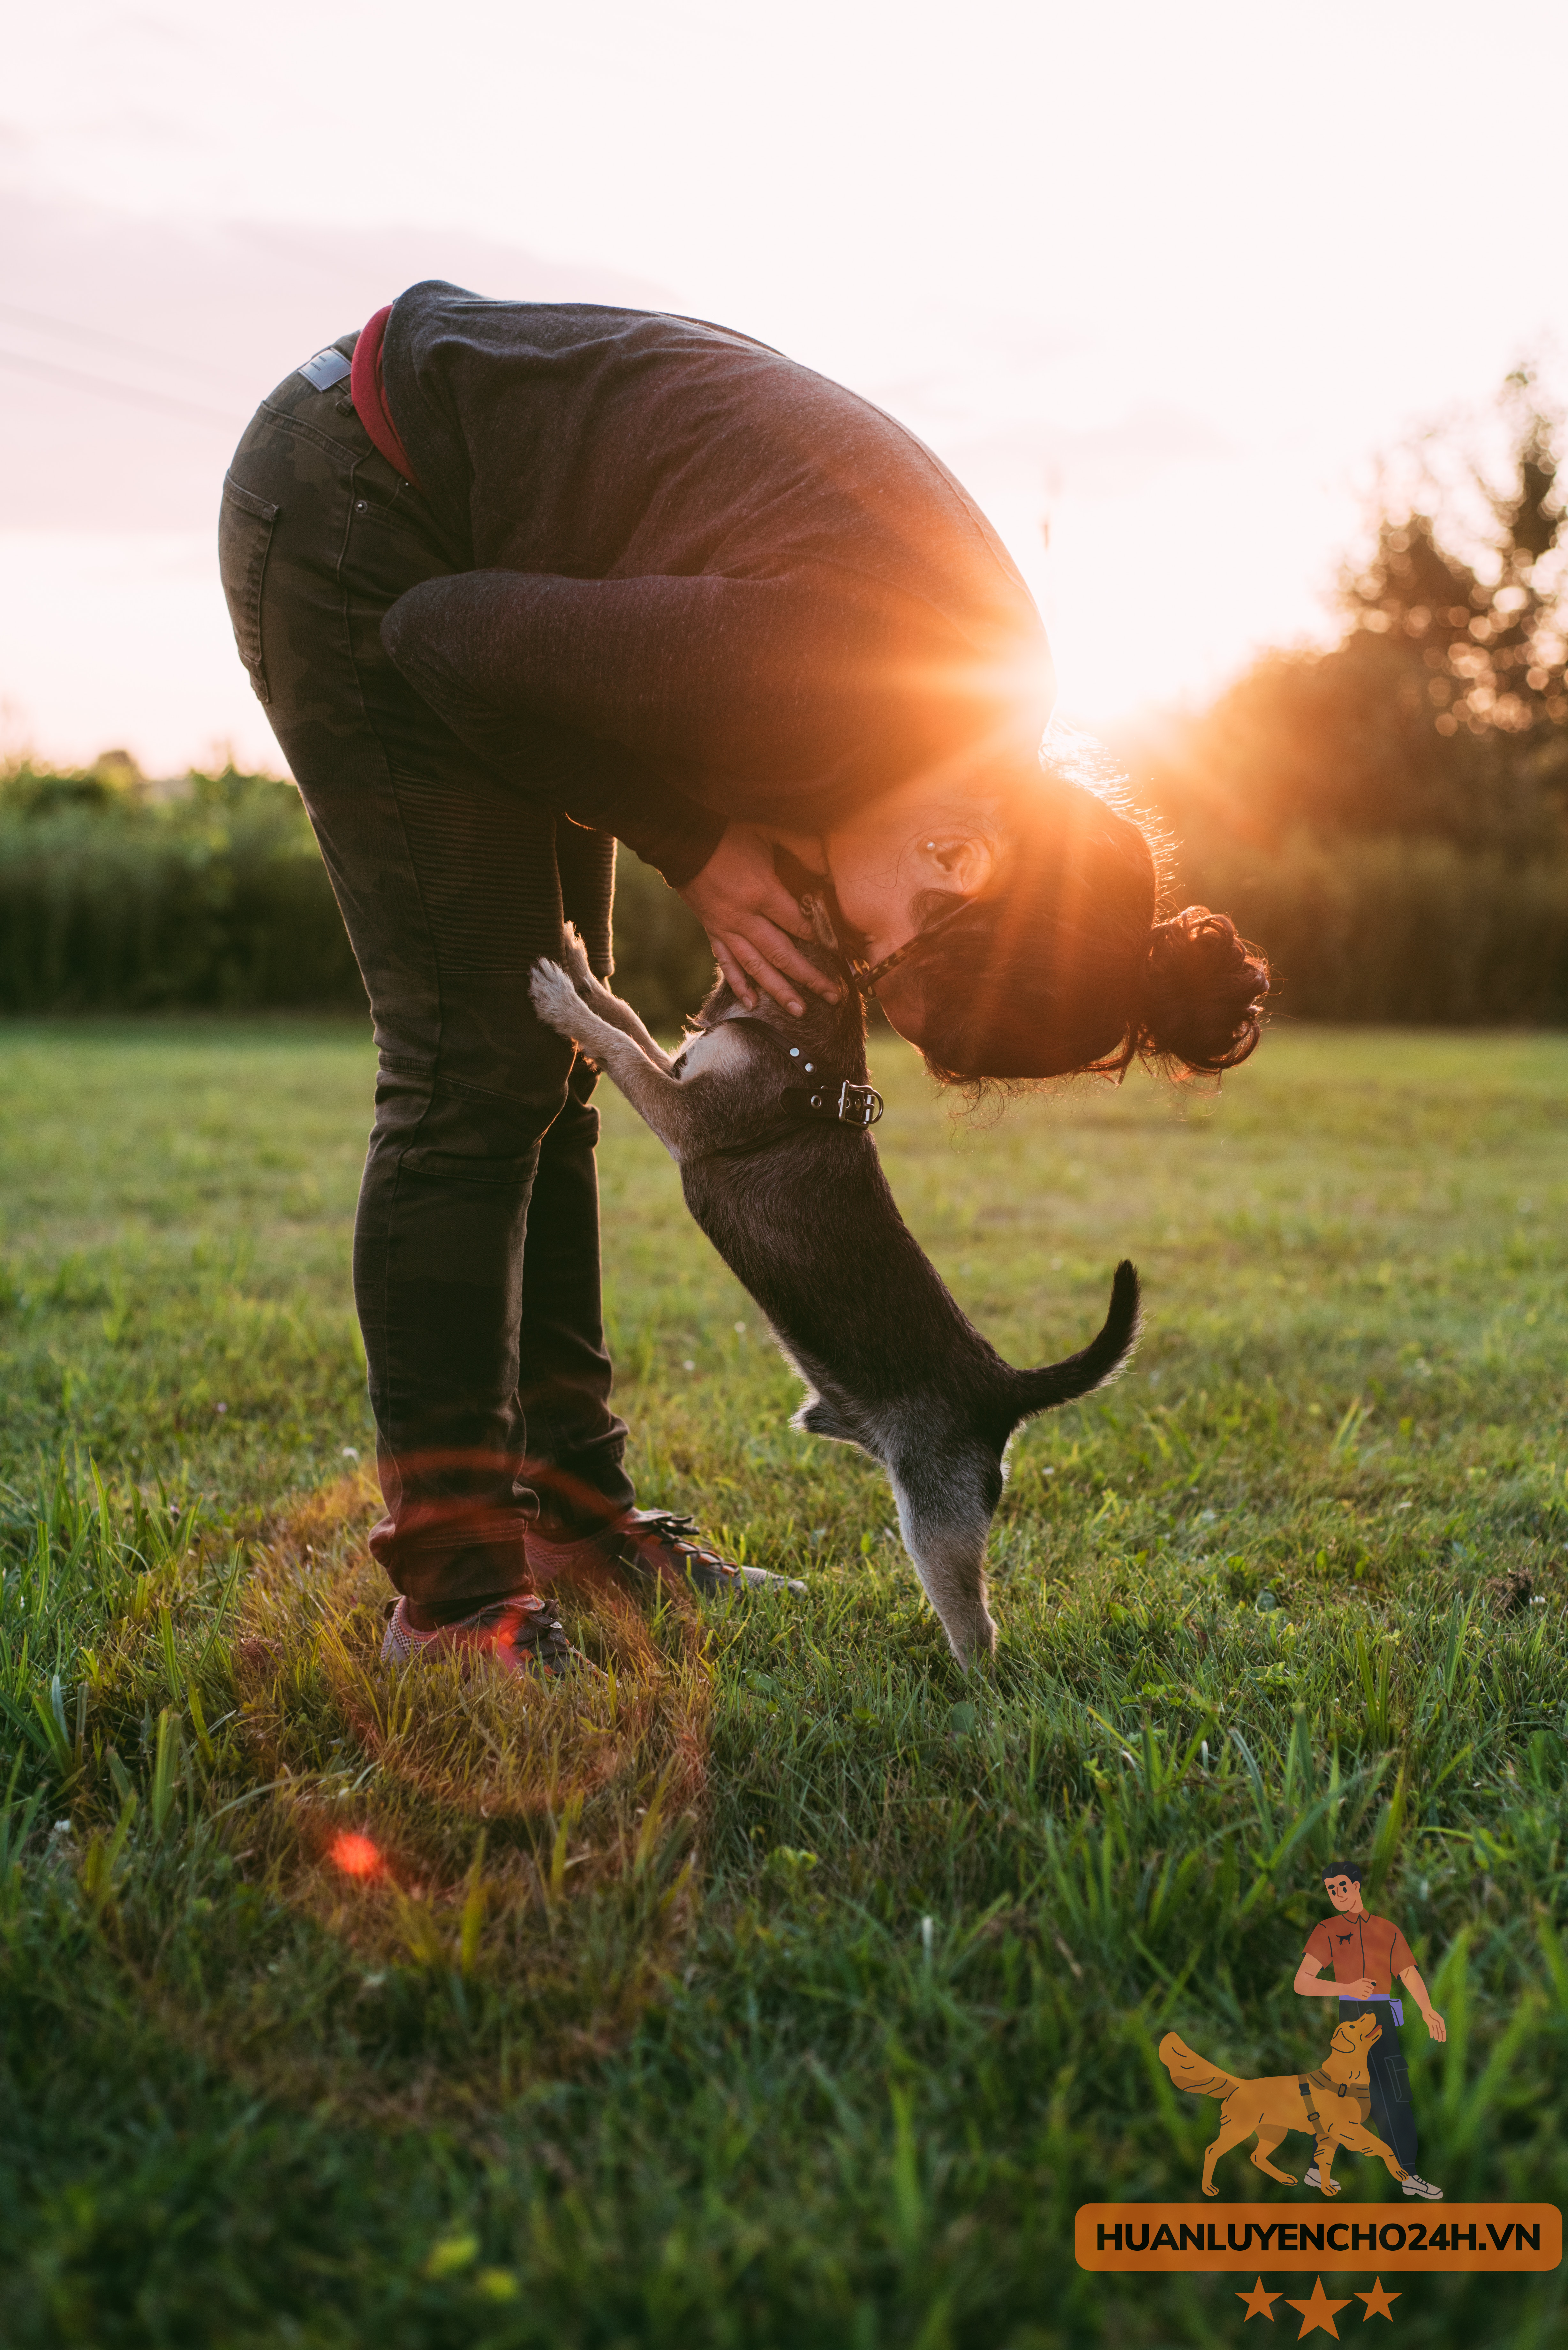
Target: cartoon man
x,y
1367,1954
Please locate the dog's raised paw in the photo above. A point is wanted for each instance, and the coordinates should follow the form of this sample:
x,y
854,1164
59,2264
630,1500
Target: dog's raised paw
x,y
555,999
575,959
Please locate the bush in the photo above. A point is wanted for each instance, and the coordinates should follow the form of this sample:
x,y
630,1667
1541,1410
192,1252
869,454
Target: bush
x,y
1398,930
112,901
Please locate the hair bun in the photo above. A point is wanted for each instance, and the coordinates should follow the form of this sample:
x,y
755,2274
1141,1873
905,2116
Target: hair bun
x,y
1203,988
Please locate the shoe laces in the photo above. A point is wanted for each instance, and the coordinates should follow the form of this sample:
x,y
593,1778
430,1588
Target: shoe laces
x,y
678,1534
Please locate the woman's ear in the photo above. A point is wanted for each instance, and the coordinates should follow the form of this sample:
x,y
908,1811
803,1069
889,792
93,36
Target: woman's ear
x,y
964,862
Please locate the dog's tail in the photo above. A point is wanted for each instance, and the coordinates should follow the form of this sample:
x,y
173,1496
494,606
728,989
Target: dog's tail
x,y
1100,1360
1191,2071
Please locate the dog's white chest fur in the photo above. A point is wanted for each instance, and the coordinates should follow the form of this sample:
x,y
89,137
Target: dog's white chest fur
x,y
714,1049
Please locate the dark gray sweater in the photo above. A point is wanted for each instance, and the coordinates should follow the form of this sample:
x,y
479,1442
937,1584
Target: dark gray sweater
x,y
706,583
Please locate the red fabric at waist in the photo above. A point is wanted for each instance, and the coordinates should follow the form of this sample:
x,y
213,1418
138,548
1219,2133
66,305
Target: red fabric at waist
x,y
368,390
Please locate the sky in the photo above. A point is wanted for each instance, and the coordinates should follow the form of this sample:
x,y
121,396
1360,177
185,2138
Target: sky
x,y
1158,283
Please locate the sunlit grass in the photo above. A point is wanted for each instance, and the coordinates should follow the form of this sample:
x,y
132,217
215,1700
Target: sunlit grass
x,y
783,1985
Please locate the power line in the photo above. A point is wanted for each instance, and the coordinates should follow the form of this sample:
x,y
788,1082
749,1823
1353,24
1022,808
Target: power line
x,y
107,389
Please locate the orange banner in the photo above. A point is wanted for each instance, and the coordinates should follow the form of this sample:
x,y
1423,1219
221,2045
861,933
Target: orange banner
x,y
1442,2237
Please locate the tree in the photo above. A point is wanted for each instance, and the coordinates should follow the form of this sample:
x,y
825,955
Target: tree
x,y
1443,710
1489,632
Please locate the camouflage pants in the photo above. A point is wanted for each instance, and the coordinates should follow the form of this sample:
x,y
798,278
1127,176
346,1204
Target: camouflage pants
x,y
476,1252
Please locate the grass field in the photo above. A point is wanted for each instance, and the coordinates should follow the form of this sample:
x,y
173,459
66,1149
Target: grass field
x,y
799,1992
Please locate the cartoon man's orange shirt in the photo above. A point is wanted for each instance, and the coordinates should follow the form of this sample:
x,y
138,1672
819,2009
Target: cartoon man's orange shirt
x,y
1356,1946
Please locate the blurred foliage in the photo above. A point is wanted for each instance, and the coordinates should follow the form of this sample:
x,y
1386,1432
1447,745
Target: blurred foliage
x,y
1345,744
209,893
1398,930
1491,639
1390,817
1443,710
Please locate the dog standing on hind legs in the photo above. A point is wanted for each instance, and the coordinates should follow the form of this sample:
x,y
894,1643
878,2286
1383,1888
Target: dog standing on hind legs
x,y
766,1117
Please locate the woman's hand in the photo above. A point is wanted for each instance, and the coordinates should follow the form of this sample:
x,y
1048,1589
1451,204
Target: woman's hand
x,y
749,918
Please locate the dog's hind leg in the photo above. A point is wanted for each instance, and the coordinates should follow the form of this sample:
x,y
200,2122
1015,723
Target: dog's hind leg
x,y
945,1504
1269,2136
1233,2128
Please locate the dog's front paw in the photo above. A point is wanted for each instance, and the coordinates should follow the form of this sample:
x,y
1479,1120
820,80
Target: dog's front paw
x,y
555,1000
575,958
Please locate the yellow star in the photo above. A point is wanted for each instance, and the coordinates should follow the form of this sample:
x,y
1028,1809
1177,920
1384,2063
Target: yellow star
x,y
1258,2302
1378,2303
1318,2311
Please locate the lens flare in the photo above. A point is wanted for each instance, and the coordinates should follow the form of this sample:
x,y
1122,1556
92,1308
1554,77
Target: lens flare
x,y
356,1856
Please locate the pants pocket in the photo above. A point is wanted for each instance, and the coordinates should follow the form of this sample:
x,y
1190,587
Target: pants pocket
x,y
245,524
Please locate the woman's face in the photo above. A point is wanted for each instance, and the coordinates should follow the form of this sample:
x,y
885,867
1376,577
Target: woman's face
x,y
887,857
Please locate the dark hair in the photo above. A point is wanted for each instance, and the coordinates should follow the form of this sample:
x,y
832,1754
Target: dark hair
x,y
1342,1868
1060,966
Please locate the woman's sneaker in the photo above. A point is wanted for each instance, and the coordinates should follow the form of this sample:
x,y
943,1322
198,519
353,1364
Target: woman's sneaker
x,y
646,1544
1410,2184
521,1634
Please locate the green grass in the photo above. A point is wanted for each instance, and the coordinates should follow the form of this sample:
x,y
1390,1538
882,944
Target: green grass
x,y
813,2014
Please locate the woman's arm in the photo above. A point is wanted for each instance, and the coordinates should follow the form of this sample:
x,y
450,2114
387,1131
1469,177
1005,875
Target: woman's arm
x,y
555,679
754,678
599,783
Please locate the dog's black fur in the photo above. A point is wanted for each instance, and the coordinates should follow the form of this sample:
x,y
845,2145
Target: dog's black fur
x,y
801,1214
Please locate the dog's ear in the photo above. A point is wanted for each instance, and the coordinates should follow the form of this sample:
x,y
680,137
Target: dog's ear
x,y
815,908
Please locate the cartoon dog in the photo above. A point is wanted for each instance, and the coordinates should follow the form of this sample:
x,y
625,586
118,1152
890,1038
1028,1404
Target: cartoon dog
x,y
1332,2103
